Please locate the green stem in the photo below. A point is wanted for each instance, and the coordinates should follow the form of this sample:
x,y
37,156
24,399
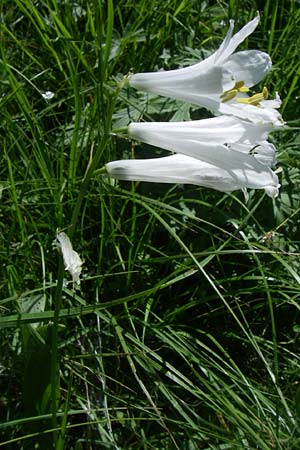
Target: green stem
x,y
94,163
121,130
275,359
84,185
100,171
54,353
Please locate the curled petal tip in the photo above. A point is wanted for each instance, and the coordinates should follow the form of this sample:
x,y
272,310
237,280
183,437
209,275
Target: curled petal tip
x,y
272,191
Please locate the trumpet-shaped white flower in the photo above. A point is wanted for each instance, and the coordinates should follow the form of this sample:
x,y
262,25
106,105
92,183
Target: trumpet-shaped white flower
x,y
222,78
71,258
245,173
220,141
235,153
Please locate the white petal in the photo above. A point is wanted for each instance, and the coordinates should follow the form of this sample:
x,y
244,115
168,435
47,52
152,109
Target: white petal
x,y
256,114
276,103
217,130
272,191
172,169
265,152
208,146
222,50
184,169
71,258
230,44
250,66
203,83
198,84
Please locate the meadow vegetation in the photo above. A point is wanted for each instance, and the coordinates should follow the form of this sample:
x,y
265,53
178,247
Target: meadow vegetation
x,y
184,332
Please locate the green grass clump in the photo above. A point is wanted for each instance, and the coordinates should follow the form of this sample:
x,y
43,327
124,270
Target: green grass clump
x,y
184,332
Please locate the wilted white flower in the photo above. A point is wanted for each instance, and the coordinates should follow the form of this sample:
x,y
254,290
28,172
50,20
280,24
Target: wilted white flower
x,y
245,173
71,258
220,81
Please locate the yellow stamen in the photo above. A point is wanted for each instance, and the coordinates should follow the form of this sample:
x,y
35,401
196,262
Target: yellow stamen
x,y
255,99
228,95
240,86
231,93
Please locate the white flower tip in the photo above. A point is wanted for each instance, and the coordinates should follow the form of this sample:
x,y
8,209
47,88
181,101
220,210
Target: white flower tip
x,y
255,21
116,169
272,191
71,258
246,194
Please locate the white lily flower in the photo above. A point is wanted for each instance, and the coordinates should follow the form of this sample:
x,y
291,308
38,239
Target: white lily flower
x,y
219,140
245,173
237,150
222,77
71,258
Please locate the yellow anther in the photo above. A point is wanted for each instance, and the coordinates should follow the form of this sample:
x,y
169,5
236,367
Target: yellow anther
x,y
228,95
244,89
256,98
265,92
240,86
231,93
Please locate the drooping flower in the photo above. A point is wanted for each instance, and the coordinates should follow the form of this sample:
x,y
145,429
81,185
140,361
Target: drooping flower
x,y
245,173
224,78
235,153
71,258
220,141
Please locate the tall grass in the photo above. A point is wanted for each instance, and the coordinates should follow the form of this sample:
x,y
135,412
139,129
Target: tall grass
x,y
184,333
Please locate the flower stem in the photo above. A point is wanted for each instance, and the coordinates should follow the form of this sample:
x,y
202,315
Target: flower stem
x,y
54,358
94,163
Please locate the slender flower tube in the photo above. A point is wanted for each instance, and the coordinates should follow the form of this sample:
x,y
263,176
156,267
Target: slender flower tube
x,y
219,140
245,173
236,150
219,81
